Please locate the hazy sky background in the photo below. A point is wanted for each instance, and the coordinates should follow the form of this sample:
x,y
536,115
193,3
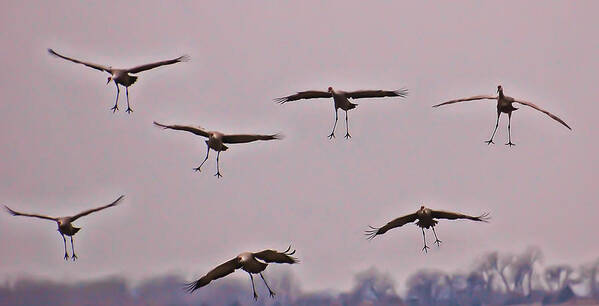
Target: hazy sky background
x,y
63,151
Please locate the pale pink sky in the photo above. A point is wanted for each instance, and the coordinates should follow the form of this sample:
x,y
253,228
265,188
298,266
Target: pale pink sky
x,y
64,151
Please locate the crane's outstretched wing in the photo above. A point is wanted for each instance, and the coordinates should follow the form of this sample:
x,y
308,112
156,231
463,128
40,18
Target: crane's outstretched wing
x,y
374,231
16,213
195,130
145,67
310,94
241,138
87,212
218,272
88,64
358,94
554,117
277,257
439,214
481,97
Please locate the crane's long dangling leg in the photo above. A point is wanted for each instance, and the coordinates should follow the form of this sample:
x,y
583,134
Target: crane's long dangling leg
x,y
425,248
253,288
347,135
490,141
116,102
74,257
129,110
332,135
437,241
66,255
272,293
217,166
205,159
509,131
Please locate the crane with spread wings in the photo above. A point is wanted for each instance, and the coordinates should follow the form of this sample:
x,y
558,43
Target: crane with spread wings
x,y
341,100
216,140
65,224
122,76
252,263
426,219
505,105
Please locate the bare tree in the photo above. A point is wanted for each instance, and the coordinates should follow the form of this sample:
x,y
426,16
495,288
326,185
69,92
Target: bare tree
x,y
522,269
492,265
556,277
426,287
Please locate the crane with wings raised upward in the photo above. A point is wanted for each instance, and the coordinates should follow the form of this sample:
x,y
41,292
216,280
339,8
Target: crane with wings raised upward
x,y
122,76
65,224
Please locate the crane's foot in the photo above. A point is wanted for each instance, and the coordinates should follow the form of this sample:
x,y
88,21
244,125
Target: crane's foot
x,y
129,110
425,248
490,141
74,257
218,174
438,242
272,293
114,108
66,256
197,169
255,296
510,144
331,136
347,136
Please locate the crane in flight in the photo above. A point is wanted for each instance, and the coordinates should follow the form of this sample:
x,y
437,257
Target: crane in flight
x,y
252,263
123,77
426,219
216,140
65,224
505,105
341,100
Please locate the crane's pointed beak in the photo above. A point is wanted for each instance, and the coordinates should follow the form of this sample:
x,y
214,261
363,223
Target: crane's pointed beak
x,y
108,82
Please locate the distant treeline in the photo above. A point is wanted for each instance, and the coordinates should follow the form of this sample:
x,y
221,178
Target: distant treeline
x,y
495,279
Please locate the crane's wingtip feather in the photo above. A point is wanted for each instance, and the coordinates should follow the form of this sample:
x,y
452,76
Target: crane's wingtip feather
x,y
190,287
403,92
371,233
484,217
10,211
